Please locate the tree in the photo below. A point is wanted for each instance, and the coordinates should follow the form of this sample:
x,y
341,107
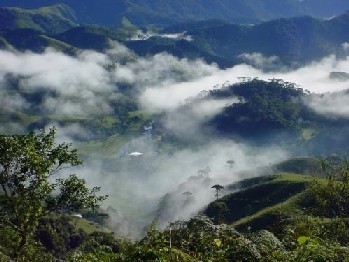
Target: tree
x,y
218,188
29,192
331,199
231,163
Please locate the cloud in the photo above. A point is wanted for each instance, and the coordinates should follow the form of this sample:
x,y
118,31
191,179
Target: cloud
x,y
82,85
54,70
14,102
186,122
162,70
331,104
313,77
70,133
73,85
137,184
214,169
141,36
260,61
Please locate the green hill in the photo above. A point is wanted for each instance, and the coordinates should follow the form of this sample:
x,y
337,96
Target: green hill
x,y
299,39
49,20
24,39
295,41
258,202
86,37
165,12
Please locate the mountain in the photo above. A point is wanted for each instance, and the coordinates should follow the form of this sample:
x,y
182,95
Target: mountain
x,y
294,41
103,12
49,20
299,39
29,39
247,207
166,12
87,37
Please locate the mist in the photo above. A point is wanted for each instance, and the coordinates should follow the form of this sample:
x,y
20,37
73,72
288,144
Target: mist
x,y
313,77
83,85
136,185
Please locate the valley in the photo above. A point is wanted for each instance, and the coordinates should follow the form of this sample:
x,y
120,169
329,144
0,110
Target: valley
x,y
208,131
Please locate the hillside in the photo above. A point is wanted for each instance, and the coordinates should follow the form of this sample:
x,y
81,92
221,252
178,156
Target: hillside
x,y
294,41
289,41
111,12
49,20
289,205
259,206
301,39
189,131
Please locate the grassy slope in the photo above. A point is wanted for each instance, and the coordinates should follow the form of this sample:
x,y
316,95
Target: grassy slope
x,y
87,226
262,205
51,20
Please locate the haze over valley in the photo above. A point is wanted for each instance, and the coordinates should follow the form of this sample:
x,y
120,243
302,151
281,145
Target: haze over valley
x,y
166,100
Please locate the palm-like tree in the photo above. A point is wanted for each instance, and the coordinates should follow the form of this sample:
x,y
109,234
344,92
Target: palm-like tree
x,y
218,188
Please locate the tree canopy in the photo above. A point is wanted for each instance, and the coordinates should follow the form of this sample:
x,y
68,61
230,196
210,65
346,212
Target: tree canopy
x,y
28,164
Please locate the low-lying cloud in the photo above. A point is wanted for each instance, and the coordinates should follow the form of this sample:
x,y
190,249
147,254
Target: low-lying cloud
x,y
330,104
137,184
72,85
313,77
85,85
162,70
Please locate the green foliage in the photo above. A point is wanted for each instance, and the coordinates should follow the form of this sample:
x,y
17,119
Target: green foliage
x,y
58,235
331,199
300,165
318,250
247,202
267,244
27,166
264,106
50,20
97,246
218,188
196,240
156,247
85,37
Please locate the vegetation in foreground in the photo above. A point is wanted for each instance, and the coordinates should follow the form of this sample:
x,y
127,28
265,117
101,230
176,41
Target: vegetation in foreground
x,y
309,223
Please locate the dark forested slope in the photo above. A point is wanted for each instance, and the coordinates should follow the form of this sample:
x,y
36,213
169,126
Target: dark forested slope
x,y
110,12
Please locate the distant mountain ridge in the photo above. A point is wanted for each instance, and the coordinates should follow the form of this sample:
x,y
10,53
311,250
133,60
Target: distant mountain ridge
x,y
50,20
167,12
294,41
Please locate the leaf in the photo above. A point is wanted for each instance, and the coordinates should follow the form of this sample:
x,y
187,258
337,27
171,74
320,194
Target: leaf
x,y
218,242
303,240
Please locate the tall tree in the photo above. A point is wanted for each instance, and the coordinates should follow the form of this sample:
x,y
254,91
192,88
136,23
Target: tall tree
x,y
218,188
28,188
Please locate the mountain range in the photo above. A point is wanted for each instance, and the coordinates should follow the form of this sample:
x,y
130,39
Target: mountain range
x,y
166,12
292,41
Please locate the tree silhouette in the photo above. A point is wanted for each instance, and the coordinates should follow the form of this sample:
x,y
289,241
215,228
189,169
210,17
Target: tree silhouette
x,y
218,188
231,163
188,197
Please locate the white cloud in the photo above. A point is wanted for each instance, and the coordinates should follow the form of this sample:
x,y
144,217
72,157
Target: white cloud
x,y
260,61
345,46
313,77
82,79
136,185
331,104
81,85
162,69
